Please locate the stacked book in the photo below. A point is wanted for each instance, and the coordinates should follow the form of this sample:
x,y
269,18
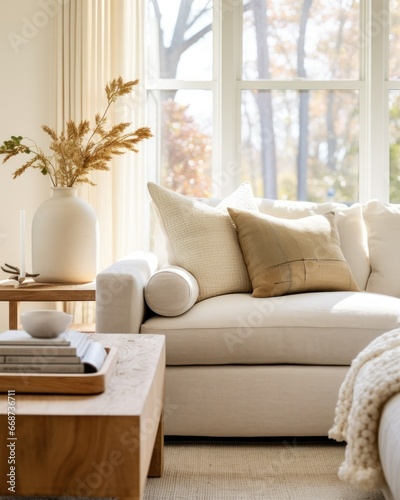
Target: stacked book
x,y
70,352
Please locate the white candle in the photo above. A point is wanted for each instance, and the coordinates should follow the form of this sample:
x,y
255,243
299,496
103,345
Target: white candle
x,y
22,271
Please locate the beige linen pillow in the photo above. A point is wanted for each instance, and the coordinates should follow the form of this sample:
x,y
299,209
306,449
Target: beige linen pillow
x,y
350,226
171,291
286,256
383,228
203,240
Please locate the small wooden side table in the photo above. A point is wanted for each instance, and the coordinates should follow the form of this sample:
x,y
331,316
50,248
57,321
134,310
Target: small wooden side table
x,y
35,292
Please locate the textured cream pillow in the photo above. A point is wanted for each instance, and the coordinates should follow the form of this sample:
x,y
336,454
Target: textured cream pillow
x,y
383,228
286,256
171,291
203,240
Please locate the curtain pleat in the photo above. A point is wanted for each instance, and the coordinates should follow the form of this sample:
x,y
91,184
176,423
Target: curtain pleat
x,y
94,42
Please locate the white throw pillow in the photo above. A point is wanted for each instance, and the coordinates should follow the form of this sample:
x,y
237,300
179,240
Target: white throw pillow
x,y
203,240
292,209
383,228
171,291
354,242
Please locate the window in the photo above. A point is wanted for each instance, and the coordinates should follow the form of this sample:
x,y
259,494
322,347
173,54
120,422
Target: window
x,y
393,91
300,98
181,95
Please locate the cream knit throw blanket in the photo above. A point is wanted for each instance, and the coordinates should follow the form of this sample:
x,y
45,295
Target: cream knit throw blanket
x,y
374,376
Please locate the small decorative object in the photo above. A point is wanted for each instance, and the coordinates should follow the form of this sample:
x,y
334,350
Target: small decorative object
x,y
45,323
16,273
65,228
22,270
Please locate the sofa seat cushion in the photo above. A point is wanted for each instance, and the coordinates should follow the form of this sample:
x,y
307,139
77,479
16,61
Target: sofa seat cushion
x,y
316,328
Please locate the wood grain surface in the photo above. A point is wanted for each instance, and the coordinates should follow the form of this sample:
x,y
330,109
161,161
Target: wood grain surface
x,y
30,291
92,445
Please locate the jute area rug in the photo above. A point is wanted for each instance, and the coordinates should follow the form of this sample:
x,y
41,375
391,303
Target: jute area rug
x,y
251,469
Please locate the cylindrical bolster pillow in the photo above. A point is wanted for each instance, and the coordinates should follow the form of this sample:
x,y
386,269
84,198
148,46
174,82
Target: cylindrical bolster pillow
x,y
171,291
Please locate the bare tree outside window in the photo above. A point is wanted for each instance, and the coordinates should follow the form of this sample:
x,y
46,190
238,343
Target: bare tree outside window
x,y
183,29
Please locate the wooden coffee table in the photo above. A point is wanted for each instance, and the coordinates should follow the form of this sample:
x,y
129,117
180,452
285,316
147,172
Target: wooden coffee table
x,y
102,445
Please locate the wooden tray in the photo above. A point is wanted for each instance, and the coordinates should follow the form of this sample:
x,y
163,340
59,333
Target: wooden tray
x,y
61,383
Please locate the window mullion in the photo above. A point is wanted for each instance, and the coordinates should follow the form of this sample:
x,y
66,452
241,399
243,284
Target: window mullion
x,y
376,185
229,174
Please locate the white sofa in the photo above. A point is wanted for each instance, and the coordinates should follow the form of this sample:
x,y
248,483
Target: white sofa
x,y
238,365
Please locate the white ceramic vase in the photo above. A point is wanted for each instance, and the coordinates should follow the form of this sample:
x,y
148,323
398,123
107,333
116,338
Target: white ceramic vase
x,y
65,239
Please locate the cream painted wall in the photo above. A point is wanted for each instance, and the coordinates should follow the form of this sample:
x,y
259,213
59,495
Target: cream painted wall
x,y
25,58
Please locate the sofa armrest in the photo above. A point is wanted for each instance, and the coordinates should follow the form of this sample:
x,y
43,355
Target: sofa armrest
x,y
120,304
389,446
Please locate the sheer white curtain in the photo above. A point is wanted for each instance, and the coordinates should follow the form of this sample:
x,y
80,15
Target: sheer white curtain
x,y
96,41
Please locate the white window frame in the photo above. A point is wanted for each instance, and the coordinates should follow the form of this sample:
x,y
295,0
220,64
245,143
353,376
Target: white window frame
x,y
227,85
374,140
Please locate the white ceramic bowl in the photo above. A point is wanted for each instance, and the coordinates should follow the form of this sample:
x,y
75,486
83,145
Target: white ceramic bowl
x,y
45,323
